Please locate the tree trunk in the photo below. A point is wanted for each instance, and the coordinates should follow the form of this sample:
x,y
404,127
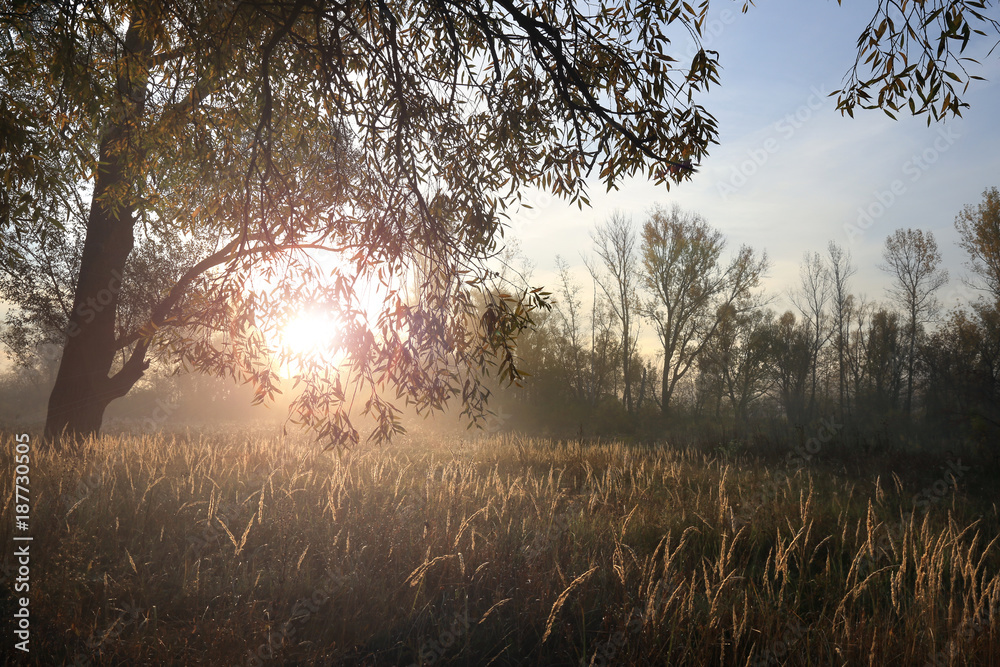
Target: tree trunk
x,y
626,354
83,389
642,390
909,364
666,389
626,374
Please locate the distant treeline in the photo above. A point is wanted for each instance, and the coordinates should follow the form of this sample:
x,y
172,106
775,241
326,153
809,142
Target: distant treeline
x,y
728,363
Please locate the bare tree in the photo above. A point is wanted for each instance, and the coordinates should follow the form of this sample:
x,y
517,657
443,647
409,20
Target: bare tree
x,y
859,313
615,244
690,287
811,300
567,308
602,374
840,271
912,258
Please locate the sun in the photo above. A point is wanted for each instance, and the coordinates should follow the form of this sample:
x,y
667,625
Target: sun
x,y
309,338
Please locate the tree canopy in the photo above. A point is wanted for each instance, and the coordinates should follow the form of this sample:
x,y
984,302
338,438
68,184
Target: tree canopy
x,y
391,136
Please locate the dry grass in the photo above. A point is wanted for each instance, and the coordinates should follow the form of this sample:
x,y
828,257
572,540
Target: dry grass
x,y
248,549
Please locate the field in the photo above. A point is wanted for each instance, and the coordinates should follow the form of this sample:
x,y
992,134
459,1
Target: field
x,y
250,549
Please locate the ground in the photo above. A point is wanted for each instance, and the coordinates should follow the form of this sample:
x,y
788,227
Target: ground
x,y
246,548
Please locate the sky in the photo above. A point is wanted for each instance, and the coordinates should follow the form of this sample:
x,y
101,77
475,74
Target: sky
x,y
790,173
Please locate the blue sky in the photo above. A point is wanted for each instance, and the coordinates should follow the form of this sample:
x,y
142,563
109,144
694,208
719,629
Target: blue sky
x,y
790,173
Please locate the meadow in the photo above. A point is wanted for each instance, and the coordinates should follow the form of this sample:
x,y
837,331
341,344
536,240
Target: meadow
x,y
243,548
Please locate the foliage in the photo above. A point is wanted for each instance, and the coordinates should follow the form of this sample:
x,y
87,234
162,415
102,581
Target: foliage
x,y
690,289
963,373
910,50
979,228
326,151
741,353
42,269
912,258
884,370
793,363
392,136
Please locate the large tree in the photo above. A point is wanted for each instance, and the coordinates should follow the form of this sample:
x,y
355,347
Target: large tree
x,y
691,288
392,135
388,135
913,260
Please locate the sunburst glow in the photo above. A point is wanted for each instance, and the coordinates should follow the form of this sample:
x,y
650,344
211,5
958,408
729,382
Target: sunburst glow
x,y
309,338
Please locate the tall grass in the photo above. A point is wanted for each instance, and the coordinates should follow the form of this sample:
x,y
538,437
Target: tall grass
x,y
251,549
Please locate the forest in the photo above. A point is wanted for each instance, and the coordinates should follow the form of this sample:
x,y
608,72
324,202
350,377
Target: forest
x,y
891,371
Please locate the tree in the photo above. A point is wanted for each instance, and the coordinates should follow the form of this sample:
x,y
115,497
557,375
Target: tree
x,y
857,346
379,134
568,307
908,48
885,360
912,258
690,288
742,351
840,271
615,245
811,300
979,229
41,270
792,347
963,373
605,352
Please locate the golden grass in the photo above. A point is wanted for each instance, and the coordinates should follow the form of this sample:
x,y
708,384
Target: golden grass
x,y
246,549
